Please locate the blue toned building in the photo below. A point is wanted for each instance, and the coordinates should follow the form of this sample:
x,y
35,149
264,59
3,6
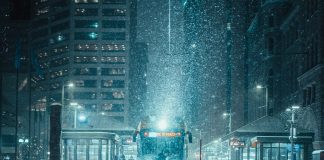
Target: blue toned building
x,y
87,43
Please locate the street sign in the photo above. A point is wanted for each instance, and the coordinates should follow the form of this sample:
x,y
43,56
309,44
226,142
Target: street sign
x,y
236,142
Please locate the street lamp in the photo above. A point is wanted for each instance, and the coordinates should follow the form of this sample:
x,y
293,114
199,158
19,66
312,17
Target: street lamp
x,y
267,97
70,85
293,130
76,106
22,141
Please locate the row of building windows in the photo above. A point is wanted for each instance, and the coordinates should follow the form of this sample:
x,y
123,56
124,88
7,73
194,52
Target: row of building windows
x,y
108,83
105,36
104,71
55,51
95,24
104,59
104,83
105,12
106,107
114,95
104,47
103,1
88,72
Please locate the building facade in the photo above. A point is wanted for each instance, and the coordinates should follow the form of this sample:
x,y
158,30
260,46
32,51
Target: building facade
x,y
85,43
285,61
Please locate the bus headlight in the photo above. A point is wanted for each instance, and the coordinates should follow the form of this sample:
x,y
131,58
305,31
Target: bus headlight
x,y
162,125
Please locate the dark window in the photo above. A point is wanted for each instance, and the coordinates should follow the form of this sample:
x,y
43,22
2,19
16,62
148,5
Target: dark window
x,y
313,93
271,21
85,95
270,44
114,36
60,27
40,22
8,140
61,15
115,1
113,24
40,33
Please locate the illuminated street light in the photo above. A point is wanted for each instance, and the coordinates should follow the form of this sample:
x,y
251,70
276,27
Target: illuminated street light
x,y
82,117
70,85
267,97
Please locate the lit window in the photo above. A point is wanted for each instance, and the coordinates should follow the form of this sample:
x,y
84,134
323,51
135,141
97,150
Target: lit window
x,y
86,12
85,71
86,24
108,107
60,73
59,62
113,71
85,59
114,12
112,83
113,47
116,95
85,1
113,59
85,47
115,1
86,83
86,36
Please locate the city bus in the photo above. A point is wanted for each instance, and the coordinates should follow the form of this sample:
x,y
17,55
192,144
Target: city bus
x,y
161,139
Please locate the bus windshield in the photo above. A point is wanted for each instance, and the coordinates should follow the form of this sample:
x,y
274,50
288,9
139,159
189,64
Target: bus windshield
x,y
163,147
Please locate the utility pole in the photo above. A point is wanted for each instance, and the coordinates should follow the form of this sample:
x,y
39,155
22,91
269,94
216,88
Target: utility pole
x,y
229,60
293,130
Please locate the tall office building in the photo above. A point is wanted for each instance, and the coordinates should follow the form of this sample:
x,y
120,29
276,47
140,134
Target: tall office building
x,y
87,43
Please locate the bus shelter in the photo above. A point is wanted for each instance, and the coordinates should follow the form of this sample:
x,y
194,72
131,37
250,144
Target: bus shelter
x,y
94,145
264,139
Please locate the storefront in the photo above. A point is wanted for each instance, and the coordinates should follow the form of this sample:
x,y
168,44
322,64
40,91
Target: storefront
x,y
264,139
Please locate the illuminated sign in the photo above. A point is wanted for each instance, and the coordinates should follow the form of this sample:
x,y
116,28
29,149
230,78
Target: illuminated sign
x,y
236,143
162,134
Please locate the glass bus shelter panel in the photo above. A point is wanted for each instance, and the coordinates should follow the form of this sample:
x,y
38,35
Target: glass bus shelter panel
x,y
89,149
282,151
